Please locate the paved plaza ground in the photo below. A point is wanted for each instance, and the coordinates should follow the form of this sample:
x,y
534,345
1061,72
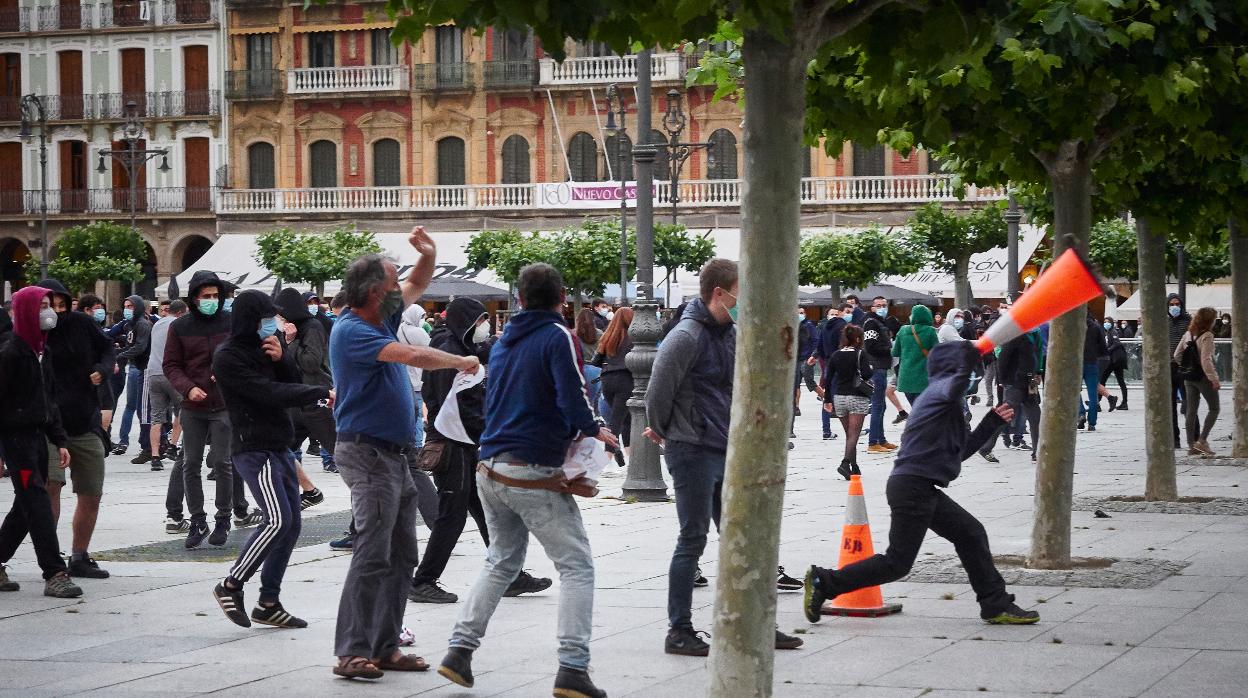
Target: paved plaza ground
x,y
155,629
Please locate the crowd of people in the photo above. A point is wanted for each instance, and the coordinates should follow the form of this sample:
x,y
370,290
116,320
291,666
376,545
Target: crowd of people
x,y
395,401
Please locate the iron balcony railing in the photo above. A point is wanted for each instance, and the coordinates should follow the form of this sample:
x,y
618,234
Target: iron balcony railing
x,y
502,75
188,12
68,17
113,200
241,85
442,77
16,19
171,103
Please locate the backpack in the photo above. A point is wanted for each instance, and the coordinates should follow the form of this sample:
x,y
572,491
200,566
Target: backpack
x,y
1190,368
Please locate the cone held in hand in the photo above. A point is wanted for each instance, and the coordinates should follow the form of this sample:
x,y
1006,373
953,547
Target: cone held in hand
x,y
856,545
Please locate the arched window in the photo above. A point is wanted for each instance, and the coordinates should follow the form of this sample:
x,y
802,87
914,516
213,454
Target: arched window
x,y
323,164
869,160
721,159
386,170
621,165
583,158
661,168
451,161
515,160
260,173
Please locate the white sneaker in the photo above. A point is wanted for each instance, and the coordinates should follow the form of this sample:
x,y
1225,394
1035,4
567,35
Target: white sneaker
x,y
174,526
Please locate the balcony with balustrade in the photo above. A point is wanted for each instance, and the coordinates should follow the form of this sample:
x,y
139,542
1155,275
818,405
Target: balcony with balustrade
x,y
254,85
605,70
170,104
509,75
111,201
359,79
707,195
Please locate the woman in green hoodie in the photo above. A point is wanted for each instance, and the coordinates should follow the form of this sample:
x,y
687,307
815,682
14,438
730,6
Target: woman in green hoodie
x,y
911,346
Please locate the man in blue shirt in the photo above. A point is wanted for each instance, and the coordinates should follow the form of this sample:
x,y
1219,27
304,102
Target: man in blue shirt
x,y
374,413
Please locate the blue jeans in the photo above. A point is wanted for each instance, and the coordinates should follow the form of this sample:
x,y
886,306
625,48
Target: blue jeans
x,y
1091,379
134,395
554,519
879,377
592,376
273,482
697,475
418,436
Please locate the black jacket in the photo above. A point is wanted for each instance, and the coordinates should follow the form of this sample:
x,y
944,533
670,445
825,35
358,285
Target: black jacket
x,y
21,373
6,323
255,388
325,323
138,335
78,349
807,338
1017,363
455,337
937,438
311,346
1177,325
189,347
877,343
1094,346
831,337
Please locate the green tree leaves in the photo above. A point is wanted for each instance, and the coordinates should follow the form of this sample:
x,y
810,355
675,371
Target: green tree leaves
x,y
855,259
313,258
100,251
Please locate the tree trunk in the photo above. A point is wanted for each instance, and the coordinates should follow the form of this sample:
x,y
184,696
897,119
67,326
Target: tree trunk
x,y
961,284
834,289
1160,483
743,635
1070,176
1239,331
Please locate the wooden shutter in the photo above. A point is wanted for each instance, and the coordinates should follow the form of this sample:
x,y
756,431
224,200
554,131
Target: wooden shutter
x,y
196,162
195,79
451,161
516,160
260,174
69,14
386,169
662,171
868,160
11,178
583,158
134,78
70,69
323,156
121,182
10,16
10,86
620,164
73,176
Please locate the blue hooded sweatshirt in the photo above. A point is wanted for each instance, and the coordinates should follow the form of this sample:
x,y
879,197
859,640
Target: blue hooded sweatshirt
x,y
535,398
937,438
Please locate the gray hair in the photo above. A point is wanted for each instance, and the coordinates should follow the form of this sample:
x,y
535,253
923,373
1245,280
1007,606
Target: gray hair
x,y
365,273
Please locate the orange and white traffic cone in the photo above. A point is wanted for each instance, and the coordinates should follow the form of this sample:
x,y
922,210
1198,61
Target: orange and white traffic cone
x,y
856,545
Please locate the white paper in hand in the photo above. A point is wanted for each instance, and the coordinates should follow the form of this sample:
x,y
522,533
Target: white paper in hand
x,y
587,457
448,422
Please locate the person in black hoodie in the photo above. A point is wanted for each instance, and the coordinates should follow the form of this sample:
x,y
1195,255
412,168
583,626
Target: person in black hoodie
x,y
138,330
878,347
1017,368
258,383
310,350
82,358
1179,321
1095,350
936,441
830,340
26,427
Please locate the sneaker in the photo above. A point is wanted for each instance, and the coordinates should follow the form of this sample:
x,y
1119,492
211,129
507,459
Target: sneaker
x,y
456,666
252,518
276,616
170,453
231,603
974,399
1022,445
86,568
786,583
1012,615
687,642
699,580
787,642
1202,447
311,498
890,446
330,467
991,457
526,583
119,450
196,535
575,683
1091,427
828,436
878,448
345,543
61,586
1083,422
901,417
813,597
212,474
220,533
143,457
175,526
430,592
7,584
157,465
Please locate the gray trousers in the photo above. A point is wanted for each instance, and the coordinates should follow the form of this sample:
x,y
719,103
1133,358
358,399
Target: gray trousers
x,y
197,426
1195,391
385,551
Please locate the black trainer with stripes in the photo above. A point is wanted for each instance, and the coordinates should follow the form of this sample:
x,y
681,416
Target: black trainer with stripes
x,y
276,616
231,603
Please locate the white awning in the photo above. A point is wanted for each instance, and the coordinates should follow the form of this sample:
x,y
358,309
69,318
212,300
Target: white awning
x,y
1216,296
988,275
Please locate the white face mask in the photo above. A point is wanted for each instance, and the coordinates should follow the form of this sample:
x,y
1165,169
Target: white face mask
x,y
314,309
47,319
482,333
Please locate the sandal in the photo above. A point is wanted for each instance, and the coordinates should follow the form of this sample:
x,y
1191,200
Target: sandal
x,y
358,668
404,662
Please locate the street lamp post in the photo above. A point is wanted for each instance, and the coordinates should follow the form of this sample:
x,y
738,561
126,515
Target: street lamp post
x,y
133,158
1012,217
677,152
615,103
645,478
34,113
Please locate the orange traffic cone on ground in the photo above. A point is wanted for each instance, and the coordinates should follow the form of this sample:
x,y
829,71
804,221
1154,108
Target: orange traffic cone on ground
x,y
856,545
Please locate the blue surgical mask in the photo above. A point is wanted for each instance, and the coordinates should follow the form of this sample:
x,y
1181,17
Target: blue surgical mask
x,y
1175,310
957,324
229,303
1108,326
268,327
313,309
99,314
128,313
882,312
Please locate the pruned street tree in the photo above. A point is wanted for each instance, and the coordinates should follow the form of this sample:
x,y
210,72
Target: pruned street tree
x,y
87,254
855,259
949,239
313,258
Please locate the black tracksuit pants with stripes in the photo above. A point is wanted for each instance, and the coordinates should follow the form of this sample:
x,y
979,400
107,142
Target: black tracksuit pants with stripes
x,y
273,482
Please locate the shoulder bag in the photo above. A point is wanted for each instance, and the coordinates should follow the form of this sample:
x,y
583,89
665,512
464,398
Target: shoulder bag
x,y
918,341
862,387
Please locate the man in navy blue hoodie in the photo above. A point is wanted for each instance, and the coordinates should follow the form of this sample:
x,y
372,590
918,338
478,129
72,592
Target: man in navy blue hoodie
x,y
933,446
536,404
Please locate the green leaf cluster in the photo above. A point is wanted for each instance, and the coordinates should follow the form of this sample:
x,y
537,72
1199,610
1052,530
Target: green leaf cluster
x,y
946,236
99,251
856,259
313,257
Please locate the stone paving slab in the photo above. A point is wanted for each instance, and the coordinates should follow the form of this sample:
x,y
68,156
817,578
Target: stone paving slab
x,y
1135,573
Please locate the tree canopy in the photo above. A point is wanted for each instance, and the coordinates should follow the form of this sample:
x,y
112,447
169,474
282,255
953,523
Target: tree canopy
x,y
855,259
310,257
99,251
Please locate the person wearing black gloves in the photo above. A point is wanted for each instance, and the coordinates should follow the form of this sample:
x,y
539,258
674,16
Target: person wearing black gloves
x,y
259,383
936,441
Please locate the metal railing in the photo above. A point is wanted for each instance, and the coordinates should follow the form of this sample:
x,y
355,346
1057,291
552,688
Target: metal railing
x,y
107,15
442,77
604,70
1135,362
172,103
693,194
188,12
243,85
111,200
361,78
127,13
57,17
510,74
